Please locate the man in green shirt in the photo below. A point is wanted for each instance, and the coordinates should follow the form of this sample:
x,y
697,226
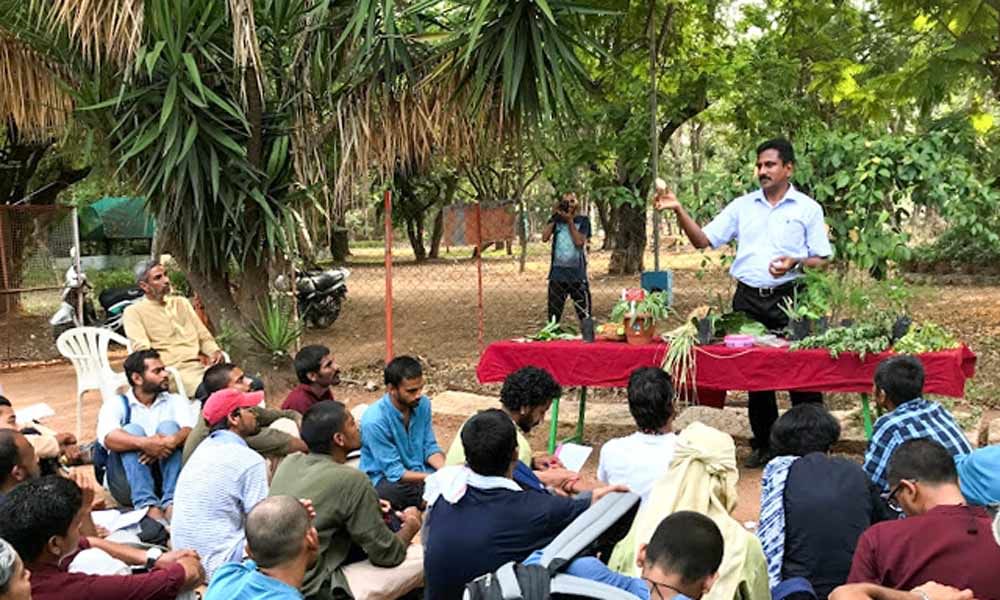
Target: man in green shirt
x,y
350,519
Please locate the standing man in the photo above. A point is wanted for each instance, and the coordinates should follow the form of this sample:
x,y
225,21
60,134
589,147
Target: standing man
x,y
569,233
170,325
780,231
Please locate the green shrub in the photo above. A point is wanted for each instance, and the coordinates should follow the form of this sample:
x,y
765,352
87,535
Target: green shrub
x,y
109,278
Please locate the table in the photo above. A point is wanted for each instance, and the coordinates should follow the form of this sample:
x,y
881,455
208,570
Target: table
x,y
574,363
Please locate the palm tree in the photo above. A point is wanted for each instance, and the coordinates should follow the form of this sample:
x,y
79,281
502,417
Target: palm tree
x,y
245,122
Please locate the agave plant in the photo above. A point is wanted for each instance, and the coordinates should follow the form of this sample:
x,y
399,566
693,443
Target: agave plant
x,y
277,330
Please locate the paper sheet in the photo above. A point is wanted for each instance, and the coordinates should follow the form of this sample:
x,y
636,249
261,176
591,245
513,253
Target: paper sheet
x,y
573,456
35,412
113,520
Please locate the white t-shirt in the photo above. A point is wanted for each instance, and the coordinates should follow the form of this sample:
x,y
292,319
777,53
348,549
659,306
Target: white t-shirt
x,y
638,461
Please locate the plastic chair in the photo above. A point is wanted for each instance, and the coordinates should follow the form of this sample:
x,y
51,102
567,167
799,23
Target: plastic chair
x,y
87,349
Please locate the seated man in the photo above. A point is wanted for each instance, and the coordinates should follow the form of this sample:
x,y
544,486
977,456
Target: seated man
x,y
271,442
170,325
942,540
282,544
15,580
641,459
48,445
899,383
18,462
41,520
221,483
400,449
144,430
349,516
480,518
928,591
317,373
526,396
814,507
979,476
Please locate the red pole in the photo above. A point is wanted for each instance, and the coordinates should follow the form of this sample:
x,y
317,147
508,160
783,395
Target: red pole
x,y
479,269
388,276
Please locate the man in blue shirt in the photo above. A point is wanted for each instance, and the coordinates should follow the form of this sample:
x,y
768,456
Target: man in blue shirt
x,y
899,383
569,233
398,449
281,543
780,230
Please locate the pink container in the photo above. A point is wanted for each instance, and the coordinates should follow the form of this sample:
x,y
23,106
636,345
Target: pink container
x,y
738,341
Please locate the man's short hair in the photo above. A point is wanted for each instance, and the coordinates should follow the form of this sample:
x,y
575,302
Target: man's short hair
x,y
400,369
901,378
489,441
275,530
141,270
785,151
5,402
36,510
688,544
320,422
308,360
650,398
924,460
804,429
216,378
135,363
9,456
528,387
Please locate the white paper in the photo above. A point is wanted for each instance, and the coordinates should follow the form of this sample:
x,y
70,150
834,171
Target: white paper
x,y
113,520
35,412
573,456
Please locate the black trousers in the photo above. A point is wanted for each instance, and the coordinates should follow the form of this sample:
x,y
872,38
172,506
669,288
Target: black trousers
x,y
401,495
578,291
766,308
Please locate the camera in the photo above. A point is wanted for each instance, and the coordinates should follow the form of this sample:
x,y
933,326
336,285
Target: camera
x,y
564,206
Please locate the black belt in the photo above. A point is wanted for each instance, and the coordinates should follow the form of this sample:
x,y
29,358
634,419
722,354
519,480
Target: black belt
x,y
781,290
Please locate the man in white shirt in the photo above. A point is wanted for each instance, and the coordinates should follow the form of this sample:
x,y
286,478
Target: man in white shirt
x,y
143,430
221,482
639,460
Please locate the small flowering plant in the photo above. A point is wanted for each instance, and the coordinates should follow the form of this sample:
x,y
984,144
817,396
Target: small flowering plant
x,y
636,303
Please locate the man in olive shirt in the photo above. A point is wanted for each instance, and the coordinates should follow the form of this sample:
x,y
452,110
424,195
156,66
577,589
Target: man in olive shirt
x,y
350,518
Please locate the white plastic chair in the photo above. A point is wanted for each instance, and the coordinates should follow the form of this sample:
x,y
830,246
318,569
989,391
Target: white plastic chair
x,y
87,349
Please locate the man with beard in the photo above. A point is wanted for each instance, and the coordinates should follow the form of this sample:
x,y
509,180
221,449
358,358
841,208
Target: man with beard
x,y
145,429
526,396
171,325
399,449
780,231
224,479
317,373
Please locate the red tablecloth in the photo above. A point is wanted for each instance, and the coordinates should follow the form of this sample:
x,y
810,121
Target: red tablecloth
x,y
608,364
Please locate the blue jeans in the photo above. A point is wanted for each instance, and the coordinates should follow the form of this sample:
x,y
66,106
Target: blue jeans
x,y
132,483
588,567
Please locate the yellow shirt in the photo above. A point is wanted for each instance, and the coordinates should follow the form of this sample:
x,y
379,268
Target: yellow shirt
x,y
456,453
173,329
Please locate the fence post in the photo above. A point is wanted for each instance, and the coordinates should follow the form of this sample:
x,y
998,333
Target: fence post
x,y
479,270
3,260
388,276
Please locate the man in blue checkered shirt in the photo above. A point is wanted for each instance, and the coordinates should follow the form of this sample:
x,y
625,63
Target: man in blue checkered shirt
x,y
899,383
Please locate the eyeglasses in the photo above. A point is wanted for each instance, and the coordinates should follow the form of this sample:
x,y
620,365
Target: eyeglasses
x,y
656,587
891,499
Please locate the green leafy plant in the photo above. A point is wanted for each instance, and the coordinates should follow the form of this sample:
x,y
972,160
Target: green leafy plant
x,y
109,278
862,339
648,306
925,337
277,331
679,360
553,330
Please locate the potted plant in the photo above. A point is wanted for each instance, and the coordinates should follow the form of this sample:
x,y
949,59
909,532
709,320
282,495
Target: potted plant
x,y
639,311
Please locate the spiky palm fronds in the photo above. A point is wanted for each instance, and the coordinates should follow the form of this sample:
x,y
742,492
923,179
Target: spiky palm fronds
x,y
103,29
31,92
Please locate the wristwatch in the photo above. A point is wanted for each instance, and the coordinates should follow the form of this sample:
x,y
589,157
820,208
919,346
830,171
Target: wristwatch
x,y
923,595
152,555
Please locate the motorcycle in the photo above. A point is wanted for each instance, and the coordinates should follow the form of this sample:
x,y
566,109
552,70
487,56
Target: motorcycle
x,y
113,302
320,294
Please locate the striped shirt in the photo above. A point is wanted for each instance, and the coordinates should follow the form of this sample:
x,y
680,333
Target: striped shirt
x,y
911,420
216,489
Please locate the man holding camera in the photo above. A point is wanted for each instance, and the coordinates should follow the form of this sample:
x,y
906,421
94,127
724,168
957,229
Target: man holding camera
x,y
569,233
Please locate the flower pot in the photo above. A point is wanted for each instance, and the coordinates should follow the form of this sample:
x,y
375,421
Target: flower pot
x,y
799,329
639,330
706,328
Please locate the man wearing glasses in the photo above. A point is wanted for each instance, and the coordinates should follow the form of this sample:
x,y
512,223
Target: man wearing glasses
x,y
942,540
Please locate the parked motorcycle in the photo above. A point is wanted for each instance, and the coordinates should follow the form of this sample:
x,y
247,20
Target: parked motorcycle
x,y
113,303
320,295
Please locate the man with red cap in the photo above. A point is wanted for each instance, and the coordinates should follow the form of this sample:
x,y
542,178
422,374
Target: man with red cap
x,y
221,482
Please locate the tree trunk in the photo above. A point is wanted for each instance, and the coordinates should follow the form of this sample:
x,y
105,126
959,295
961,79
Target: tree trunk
x,y
437,232
415,233
339,248
522,234
630,241
604,210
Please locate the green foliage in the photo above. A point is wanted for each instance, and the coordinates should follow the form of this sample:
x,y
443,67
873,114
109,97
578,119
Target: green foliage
x,y
554,330
103,279
925,337
276,331
179,282
863,339
654,306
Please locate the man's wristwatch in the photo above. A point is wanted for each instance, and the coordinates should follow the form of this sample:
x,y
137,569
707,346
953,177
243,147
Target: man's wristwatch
x,y
152,555
923,595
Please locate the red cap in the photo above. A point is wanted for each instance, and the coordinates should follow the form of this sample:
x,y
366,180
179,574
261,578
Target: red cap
x,y
221,403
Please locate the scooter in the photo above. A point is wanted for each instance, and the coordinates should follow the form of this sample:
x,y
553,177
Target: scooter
x,y
320,295
113,302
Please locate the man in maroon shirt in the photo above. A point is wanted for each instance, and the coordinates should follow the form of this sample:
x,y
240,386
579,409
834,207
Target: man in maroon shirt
x,y
317,372
41,520
942,540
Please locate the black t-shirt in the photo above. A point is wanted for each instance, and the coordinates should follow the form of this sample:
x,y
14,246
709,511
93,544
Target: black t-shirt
x,y
829,503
